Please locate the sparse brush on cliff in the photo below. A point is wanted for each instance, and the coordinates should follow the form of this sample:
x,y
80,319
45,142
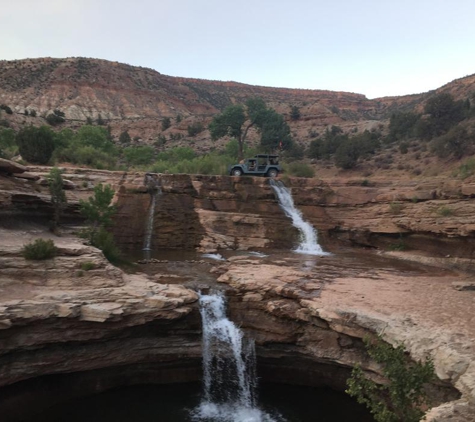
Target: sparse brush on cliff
x,y
98,212
39,250
403,396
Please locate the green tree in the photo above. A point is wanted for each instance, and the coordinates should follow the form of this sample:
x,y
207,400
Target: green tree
x,y
195,128
58,197
401,398
236,120
100,121
36,145
275,132
166,123
55,118
402,125
444,113
94,136
141,155
294,112
98,210
124,138
8,146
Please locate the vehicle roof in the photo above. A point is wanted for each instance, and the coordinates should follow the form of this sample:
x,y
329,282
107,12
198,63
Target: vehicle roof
x,y
266,155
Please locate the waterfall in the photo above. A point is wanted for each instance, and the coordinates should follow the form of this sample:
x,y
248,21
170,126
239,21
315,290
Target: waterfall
x,y
229,378
308,236
153,186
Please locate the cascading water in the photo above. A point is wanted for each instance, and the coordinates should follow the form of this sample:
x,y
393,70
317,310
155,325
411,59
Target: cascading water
x,y
229,378
308,236
147,245
152,183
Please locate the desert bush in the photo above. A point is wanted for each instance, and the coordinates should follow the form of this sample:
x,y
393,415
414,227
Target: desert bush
x,y
40,249
195,128
8,146
87,266
299,169
7,109
466,169
36,145
104,241
166,123
402,397
395,208
141,155
445,211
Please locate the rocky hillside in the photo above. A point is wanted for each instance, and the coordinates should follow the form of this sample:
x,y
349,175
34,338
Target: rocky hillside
x,y
137,99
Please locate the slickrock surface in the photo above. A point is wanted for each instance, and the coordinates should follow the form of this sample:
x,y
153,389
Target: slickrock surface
x,y
416,306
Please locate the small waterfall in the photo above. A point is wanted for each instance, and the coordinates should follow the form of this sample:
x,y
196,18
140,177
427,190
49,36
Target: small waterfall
x,y
154,190
229,378
308,235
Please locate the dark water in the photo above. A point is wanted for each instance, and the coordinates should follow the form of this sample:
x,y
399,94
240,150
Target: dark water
x,y
172,403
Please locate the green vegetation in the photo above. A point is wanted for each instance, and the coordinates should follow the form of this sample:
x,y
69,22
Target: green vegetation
x,y
40,249
124,138
137,156
36,145
445,211
7,109
195,128
58,197
299,169
395,208
8,147
402,397
98,212
90,145
294,112
466,169
166,123
87,266
236,120
55,118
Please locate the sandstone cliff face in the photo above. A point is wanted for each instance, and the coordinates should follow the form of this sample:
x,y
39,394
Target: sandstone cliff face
x,y
308,316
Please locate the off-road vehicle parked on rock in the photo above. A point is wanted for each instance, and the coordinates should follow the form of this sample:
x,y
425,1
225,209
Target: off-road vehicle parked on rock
x,y
260,165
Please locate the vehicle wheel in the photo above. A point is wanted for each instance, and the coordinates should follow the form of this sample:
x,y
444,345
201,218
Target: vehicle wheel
x,y
236,172
272,173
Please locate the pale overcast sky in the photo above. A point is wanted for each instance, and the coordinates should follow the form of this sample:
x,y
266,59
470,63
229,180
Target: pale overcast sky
x,y
372,47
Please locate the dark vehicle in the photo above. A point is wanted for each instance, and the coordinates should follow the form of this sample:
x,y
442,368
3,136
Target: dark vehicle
x,y
260,165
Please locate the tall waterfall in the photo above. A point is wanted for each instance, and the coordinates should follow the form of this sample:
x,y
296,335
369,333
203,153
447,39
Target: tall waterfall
x,y
308,235
229,378
152,182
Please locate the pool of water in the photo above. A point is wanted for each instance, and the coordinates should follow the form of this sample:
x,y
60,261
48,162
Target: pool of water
x,y
174,403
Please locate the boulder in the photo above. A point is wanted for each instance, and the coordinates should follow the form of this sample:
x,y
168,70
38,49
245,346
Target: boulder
x,y
10,167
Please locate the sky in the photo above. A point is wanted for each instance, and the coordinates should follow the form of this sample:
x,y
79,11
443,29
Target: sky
x,y
376,48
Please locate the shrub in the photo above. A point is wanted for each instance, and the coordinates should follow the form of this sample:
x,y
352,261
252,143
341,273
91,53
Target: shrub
x,y
395,208
87,266
445,211
7,109
104,241
36,145
466,169
166,123
300,169
195,128
124,138
139,155
40,249
401,398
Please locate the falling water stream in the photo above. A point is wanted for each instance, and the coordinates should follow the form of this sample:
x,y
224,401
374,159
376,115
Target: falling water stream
x,y
154,190
308,236
229,377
